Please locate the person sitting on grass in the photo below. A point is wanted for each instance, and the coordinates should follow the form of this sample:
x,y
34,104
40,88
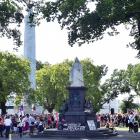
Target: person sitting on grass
x,y
110,125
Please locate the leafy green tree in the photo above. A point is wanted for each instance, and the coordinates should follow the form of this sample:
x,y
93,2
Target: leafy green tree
x,y
128,105
51,85
135,78
11,17
92,78
52,82
39,65
14,78
84,24
118,83
121,82
10,14
88,25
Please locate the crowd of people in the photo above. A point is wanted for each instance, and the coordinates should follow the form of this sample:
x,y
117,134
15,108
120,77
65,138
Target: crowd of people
x,y
27,124
130,120
30,123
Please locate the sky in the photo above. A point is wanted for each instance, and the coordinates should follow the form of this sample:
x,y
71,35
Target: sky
x,y
52,46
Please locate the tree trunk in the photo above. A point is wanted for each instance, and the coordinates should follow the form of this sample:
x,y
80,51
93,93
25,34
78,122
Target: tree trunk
x,y
3,108
50,109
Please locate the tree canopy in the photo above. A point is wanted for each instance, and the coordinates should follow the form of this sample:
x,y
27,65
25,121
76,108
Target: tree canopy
x,y
84,24
14,76
122,82
11,17
89,24
10,14
53,80
128,104
51,85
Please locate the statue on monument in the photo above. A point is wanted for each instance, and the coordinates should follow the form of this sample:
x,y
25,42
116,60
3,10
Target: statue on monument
x,y
76,74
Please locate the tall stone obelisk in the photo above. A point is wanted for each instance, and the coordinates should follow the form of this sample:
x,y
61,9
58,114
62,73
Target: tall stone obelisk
x,y
30,46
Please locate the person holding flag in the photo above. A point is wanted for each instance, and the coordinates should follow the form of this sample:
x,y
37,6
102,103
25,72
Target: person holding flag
x,y
21,110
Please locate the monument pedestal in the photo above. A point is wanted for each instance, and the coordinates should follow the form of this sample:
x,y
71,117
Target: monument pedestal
x,y
75,117
75,113
76,101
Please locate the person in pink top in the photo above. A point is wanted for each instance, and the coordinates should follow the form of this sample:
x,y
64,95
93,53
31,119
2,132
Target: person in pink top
x,y
1,126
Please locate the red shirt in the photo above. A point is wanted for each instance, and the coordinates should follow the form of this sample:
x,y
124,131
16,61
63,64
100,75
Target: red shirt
x,y
1,121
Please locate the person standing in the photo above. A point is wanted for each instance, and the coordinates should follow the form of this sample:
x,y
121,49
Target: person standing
x,y
131,121
7,123
31,124
20,126
136,125
1,126
25,122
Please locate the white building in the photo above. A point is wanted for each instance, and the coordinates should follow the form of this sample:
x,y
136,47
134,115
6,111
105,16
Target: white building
x,y
113,104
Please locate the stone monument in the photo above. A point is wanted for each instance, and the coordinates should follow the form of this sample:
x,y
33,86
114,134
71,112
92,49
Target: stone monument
x,y
30,51
30,45
74,108
74,119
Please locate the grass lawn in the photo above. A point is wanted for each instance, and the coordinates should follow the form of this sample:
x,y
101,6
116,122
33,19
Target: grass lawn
x,y
123,128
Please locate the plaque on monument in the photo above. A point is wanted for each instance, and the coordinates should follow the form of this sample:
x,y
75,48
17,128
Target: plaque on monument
x,y
75,112
91,124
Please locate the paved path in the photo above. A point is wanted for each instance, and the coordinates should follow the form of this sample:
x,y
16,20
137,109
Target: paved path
x,y
123,135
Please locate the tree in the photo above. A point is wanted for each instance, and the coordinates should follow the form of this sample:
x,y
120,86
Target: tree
x,y
11,17
128,105
121,82
92,79
10,13
39,65
14,78
52,82
51,85
88,25
135,77
118,83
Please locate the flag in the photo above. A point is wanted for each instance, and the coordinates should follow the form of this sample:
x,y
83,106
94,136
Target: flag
x,y
21,108
33,108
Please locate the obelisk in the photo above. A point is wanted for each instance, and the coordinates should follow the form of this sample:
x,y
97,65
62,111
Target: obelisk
x,y
30,45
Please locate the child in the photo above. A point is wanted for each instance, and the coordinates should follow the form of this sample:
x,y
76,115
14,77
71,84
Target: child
x,y
41,126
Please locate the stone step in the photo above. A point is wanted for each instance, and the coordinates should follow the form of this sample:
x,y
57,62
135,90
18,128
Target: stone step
x,y
75,134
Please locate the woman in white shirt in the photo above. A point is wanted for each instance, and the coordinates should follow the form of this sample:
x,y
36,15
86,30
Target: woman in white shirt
x,y
7,123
